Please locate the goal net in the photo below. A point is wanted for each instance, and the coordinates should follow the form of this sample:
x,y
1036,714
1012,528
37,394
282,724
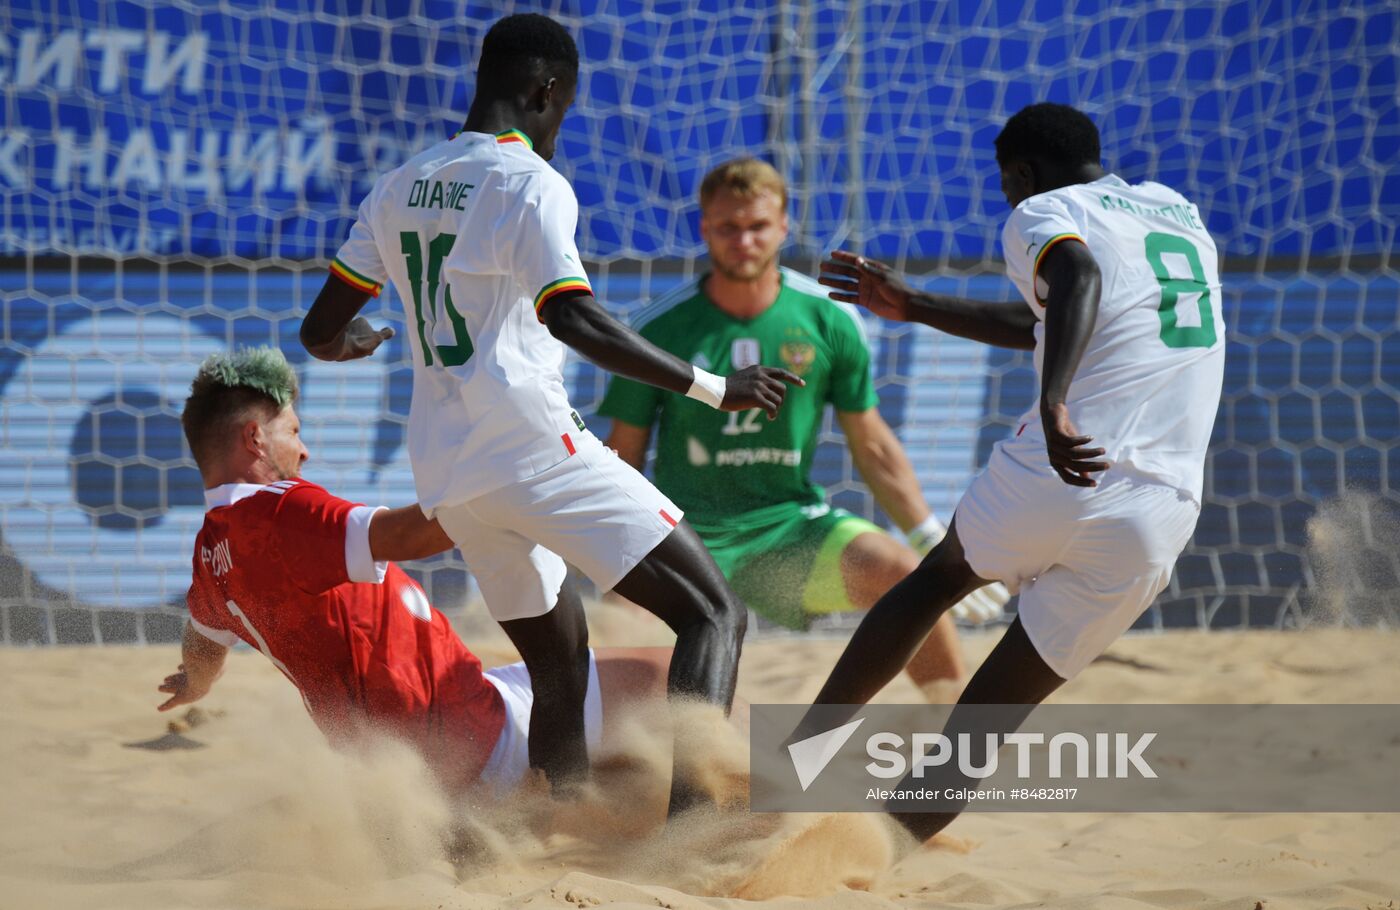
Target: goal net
x,y
174,177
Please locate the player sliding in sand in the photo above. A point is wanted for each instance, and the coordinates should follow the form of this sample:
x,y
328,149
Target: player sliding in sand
x,y
1086,508
309,580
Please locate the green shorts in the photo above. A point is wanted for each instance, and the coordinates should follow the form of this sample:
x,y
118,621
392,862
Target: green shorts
x,y
789,570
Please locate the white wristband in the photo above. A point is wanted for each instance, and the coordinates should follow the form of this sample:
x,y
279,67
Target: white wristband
x,y
707,387
926,534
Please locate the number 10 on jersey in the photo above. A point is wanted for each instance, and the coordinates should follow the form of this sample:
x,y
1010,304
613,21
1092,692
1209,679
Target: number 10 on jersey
x,y
448,355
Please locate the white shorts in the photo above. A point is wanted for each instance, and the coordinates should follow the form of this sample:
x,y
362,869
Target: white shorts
x,y
593,509
510,759
1087,561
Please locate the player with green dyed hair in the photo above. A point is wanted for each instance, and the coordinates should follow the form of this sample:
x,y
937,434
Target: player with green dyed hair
x,y
743,480
253,388
264,369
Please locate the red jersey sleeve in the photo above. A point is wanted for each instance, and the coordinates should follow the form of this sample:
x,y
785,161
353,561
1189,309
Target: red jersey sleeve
x,y
323,540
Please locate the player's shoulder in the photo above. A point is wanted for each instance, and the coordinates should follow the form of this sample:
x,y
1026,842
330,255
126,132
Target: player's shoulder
x,y
804,286
671,308
811,295
520,168
526,182
295,485
300,504
425,161
275,496
235,495
1162,192
1058,211
1100,193
511,165
243,509
304,494
392,187
1059,201
517,159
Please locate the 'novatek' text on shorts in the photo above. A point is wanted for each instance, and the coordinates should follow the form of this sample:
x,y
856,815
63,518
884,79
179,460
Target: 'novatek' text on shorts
x,y
1087,561
592,508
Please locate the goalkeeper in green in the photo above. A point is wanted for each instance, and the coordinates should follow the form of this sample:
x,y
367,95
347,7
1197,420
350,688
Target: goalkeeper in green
x,y
745,481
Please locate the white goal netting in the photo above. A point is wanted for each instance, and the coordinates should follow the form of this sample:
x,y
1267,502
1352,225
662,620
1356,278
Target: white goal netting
x,y
174,177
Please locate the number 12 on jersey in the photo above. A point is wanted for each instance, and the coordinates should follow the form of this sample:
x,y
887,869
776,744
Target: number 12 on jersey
x,y
749,423
448,355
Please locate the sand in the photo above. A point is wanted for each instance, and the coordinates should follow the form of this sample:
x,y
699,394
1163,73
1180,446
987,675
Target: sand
x,y
251,809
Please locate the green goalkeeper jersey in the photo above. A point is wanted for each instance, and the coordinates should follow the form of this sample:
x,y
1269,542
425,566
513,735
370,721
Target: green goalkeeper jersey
x,y
728,469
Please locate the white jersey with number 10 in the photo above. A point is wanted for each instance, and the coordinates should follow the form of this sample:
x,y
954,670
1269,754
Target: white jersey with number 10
x,y
1148,385
476,233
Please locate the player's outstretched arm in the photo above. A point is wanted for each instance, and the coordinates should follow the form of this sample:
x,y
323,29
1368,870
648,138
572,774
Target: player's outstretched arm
x,y
333,331
877,288
581,322
884,466
397,535
1071,307
202,662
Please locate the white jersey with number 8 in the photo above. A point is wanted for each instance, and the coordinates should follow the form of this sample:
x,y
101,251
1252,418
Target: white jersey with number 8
x,y
1148,385
476,233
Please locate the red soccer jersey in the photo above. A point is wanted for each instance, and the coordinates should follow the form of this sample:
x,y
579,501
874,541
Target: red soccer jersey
x,y
286,568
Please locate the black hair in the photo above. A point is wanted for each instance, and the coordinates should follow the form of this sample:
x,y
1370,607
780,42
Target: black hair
x,y
1055,133
228,390
516,46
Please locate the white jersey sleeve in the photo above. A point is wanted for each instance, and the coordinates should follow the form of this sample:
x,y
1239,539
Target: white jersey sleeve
x,y
358,262
536,243
1036,226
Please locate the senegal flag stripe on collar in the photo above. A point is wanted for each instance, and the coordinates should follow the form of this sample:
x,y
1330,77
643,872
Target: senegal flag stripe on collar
x,y
515,136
